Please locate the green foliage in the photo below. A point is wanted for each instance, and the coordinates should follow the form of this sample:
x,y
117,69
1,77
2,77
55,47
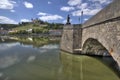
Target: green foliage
x,y
38,27
55,26
8,26
22,32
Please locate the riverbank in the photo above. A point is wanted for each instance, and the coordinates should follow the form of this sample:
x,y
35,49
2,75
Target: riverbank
x,y
37,41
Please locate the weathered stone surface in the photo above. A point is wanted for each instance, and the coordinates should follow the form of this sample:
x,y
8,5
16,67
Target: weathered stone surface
x,y
103,27
93,47
71,38
107,37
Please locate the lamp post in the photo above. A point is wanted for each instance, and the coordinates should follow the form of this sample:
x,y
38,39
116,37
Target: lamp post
x,y
81,17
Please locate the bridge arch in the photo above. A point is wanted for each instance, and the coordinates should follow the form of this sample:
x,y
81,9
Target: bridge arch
x,y
93,47
108,34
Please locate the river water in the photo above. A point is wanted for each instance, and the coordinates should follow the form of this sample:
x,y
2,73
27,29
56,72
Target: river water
x,y
20,61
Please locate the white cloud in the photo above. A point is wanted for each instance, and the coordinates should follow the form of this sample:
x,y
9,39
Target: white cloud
x,y
7,20
66,8
102,1
65,21
85,19
88,9
89,12
49,2
74,2
82,6
7,4
12,10
42,14
28,4
25,20
50,17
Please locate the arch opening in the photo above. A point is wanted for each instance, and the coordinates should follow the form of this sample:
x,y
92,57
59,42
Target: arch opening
x,y
94,47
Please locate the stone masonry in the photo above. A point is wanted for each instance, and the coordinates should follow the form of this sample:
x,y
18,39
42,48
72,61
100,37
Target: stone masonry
x,y
71,38
103,27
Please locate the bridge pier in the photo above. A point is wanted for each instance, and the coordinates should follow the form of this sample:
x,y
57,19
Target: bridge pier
x,y
71,38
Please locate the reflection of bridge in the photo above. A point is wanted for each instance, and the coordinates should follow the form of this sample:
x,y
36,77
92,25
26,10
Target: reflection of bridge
x,y
98,36
86,68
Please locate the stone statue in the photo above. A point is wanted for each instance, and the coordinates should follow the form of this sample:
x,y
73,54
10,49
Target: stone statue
x,y
68,19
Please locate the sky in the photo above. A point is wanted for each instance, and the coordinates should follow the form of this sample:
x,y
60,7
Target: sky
x,y
53,11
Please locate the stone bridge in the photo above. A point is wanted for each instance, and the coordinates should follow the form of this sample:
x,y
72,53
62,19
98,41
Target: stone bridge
x,y
100,35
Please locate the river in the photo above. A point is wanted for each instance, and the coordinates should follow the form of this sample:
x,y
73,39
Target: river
x,y
20,61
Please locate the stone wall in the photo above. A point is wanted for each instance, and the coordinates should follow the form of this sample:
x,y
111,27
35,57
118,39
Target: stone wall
x,y
71,38
108,34
105,27
77,37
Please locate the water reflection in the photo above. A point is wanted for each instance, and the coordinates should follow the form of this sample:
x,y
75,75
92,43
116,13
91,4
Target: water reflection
x,y
76,67
7,61
27,62
34,41
31,58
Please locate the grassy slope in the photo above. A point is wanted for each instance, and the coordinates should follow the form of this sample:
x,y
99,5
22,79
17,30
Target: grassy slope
x,y
28,26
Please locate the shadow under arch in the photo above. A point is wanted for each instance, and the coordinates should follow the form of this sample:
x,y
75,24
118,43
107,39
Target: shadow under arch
x,y
94,47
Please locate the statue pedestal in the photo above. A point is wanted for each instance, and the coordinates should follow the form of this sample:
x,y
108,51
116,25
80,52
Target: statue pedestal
x,y
71,38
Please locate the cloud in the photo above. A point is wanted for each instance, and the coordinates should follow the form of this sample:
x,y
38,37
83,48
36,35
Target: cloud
x,y
102,1
49,17
12,10
85,19
89,12
64,21
66,8
42,14
88,9
82,6
7,4
74,2
25,20
28,4
49,2
7,20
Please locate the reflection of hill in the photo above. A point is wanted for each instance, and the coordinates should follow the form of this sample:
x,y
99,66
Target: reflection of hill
x,y
6,40
35,41
85,68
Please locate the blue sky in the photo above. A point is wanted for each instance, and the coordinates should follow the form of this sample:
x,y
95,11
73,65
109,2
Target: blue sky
x,y
14,11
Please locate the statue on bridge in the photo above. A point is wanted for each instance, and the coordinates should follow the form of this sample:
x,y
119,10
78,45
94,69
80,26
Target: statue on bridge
x,y
68,19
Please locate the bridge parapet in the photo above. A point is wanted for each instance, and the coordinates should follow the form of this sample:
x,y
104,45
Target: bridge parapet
x,y
109,13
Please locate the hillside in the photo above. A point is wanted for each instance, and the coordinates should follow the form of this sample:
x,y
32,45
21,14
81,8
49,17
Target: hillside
x,y
29,26
8,26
